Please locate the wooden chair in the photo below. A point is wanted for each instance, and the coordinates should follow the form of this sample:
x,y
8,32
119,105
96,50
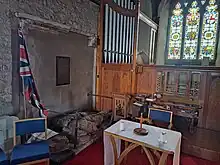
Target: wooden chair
x,y
32,153
120,106
3,158
161,115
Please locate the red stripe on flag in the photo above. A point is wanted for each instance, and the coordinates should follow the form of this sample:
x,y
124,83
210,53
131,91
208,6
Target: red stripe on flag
x,y
25,73
27,95
45,112
23,53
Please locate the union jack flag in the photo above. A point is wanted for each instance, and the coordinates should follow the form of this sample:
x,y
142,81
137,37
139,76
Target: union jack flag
x,y
29,88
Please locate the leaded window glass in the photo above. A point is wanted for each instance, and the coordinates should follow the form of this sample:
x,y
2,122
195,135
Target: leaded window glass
x,y
193,29
209,31
176,29
191,32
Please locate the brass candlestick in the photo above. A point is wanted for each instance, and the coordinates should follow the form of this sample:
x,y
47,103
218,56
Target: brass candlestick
x,y
141,130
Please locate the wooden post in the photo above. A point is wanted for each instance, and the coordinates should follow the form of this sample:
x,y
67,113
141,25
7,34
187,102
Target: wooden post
x,y
133,84
99,57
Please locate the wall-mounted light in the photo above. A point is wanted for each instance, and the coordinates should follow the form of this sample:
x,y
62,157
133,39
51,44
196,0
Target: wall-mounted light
x,y
92,41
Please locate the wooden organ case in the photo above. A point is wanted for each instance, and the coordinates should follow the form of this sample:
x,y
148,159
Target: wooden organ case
x,y
189,88
180,90
183,84
193,93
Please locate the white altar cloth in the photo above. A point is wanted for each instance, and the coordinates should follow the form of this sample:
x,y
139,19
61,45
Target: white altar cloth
x,y
151,140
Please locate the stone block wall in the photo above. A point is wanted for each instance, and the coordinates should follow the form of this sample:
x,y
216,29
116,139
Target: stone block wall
x,y
5,60
81,15
43,47
162,35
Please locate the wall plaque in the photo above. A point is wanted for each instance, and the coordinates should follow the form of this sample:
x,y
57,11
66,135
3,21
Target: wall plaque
x,y
62,70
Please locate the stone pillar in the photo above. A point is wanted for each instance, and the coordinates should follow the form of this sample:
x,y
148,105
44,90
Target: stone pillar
x,y
162,34
5,60
146,7
144,31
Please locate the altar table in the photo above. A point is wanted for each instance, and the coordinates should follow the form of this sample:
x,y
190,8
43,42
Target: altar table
x,y
113,136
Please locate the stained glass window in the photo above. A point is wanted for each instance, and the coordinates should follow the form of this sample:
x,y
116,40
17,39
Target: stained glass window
x,y
176,29
209,31
191,32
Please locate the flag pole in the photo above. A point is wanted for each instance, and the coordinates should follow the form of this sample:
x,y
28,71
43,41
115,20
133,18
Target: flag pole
x,y
24,106
24,99
21,26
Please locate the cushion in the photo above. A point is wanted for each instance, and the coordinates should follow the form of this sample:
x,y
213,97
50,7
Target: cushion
x,y
161,124
3,158
29,152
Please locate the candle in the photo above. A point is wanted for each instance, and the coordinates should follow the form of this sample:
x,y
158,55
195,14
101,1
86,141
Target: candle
x,y
162,137
122,126
141,120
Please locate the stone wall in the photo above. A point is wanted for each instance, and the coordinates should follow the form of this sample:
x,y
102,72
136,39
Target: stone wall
x,y
146,7
162,35
144,31
43,47
81,15
5,60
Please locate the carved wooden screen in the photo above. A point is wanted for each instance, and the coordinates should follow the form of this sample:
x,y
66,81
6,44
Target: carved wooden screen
x,y
213,102
116,58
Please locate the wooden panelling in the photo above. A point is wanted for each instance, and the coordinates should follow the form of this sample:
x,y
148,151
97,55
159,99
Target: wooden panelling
x,y
146,81
209,95
213,113
202,98
204,144
117,38
115,79
107,75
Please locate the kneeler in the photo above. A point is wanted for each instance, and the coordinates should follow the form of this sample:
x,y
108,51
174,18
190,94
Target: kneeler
x,y
3,158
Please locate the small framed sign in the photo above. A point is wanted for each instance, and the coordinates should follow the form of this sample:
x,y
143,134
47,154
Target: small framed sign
x,y
62,70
